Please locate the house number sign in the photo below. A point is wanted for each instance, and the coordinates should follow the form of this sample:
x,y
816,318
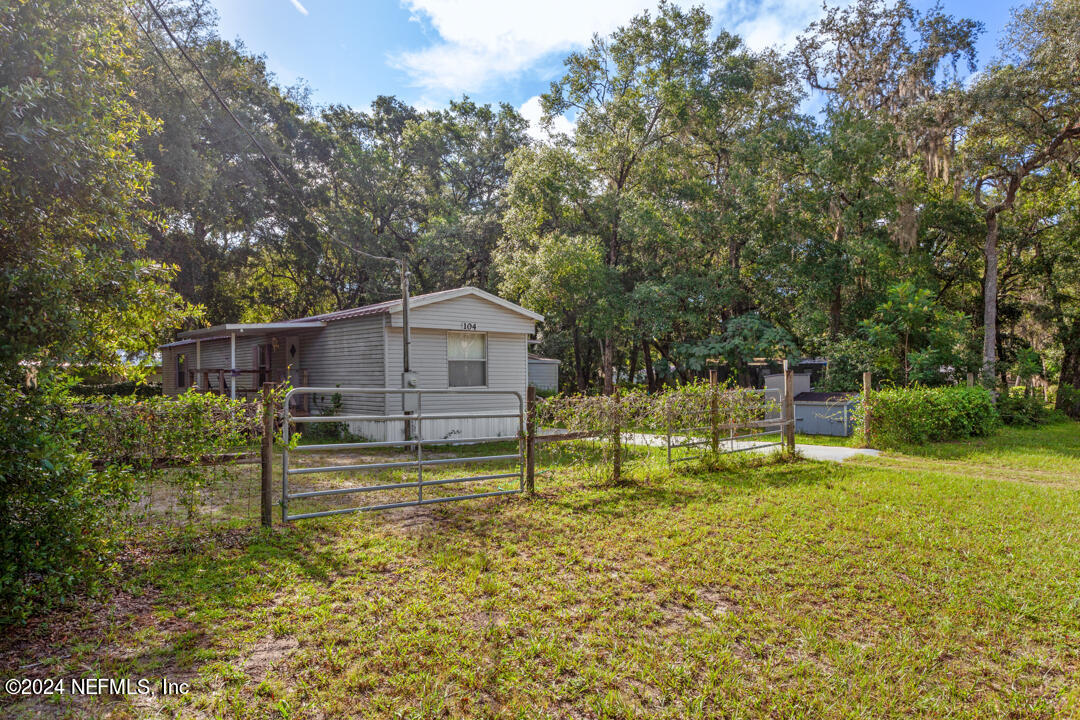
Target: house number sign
x,y
468,326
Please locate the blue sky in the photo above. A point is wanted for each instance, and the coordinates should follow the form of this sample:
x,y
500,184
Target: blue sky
x,y
429,51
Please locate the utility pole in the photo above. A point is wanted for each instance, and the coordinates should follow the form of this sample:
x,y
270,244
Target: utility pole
x,y
405,339
410,403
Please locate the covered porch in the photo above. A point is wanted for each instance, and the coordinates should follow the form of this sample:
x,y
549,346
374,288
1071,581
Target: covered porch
x,y
242,375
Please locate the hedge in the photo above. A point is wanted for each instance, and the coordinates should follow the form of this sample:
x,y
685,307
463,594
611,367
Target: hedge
x,y
917,415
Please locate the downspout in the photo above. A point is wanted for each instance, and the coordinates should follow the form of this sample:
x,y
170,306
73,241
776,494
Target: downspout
x,y
232,364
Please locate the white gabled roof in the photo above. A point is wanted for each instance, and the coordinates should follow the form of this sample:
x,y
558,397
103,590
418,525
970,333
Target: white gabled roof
x,y
394,306
316,321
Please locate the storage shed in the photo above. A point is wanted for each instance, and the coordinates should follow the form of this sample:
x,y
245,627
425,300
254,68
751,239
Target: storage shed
x,y
544,372
461,338
817,413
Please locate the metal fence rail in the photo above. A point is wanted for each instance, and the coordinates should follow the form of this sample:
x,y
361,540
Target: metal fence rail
x,y
417,443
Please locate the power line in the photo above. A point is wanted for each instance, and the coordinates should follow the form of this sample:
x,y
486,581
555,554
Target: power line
x,y
265,154
168,66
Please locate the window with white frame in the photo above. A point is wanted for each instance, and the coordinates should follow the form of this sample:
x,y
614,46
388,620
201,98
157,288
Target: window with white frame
x,y
466,359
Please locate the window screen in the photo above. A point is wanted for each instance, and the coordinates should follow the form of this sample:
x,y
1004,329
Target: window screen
x,y
181,371
466,356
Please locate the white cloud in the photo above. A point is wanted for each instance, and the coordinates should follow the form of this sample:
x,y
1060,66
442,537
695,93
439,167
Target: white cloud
x,y
483,41
531,111
299,8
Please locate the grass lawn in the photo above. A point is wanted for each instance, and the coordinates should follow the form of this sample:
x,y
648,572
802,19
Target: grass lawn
x,y
936,582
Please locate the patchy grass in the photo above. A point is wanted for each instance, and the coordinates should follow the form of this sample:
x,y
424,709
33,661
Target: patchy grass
x,y
833,440
942,582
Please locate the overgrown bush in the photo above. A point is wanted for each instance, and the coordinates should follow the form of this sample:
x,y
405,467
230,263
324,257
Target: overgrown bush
x,y
916,415
184,439
1021,408
1068,400
328,431
57,512
127,387
686,409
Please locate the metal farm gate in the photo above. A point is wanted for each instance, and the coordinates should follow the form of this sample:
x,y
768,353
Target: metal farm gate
x,y
414,421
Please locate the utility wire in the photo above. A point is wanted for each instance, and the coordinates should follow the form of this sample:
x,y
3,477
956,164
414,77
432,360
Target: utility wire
x,y
168,65
265,154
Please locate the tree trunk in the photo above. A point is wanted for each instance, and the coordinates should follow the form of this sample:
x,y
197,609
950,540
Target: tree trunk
x,y
907,367
835,308
579,362
607,361
990,300
1067,401
650,373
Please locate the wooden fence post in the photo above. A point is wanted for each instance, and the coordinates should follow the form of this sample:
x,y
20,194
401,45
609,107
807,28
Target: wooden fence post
x,y
714,412
616,437
267,455
789,408
866,387
530,440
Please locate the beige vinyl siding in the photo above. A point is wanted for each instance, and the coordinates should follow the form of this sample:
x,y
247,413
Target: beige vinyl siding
x,y
347,354
506,370
168,370
471,310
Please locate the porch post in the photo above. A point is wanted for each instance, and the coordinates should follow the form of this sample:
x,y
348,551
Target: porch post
x,y
198,363
232,365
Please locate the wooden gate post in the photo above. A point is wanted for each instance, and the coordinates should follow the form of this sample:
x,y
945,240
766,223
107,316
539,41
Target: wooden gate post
x,y
616,437
530,440
866,387
714,412
267,455
789,408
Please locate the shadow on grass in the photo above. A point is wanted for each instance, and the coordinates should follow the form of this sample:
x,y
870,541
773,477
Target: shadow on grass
x,y
696,482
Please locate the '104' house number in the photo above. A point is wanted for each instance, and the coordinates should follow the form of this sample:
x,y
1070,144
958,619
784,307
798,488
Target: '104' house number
x,y
468,326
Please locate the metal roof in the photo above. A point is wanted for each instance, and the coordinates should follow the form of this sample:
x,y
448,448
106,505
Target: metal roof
x,y
191,342
538,358
833,397
248,328
316,321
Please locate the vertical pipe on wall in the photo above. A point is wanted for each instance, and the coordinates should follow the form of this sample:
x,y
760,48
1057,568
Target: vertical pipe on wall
x,y
232,365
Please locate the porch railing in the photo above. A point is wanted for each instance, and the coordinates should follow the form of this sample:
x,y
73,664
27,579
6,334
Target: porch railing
x,y
249,383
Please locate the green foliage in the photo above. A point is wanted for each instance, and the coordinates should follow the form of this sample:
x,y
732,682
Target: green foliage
x,y
184,440
744,338
1019,406
690,408
326,431
126,387
57,513
916,415
75,284
1068,400
849,358
916,336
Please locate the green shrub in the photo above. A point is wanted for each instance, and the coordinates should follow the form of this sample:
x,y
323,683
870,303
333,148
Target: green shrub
x,y
184,439
1021,408
917,415
57,512
127,387
1068,400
